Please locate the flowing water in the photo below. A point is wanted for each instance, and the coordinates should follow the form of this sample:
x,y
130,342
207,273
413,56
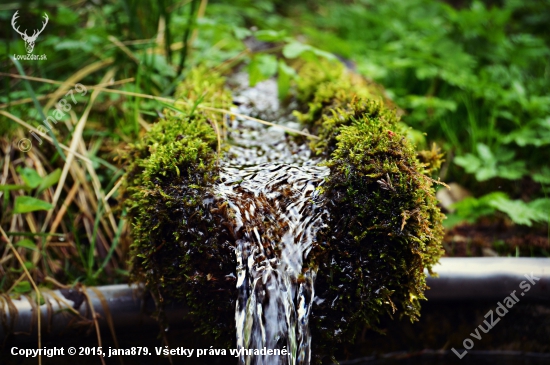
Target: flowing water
x,y
269,185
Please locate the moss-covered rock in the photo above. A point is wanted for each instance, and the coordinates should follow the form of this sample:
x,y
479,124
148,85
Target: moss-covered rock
x,y
180,249
384,226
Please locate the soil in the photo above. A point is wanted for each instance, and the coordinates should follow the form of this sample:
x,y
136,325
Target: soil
x,y
496,237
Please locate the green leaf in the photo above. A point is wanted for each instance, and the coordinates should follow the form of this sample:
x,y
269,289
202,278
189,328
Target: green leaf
x,y
536,133
518,211
26,243
512,171
262,67
485,152
42,300
329,56
542,208
489,165
174,108
486,172
65,16
22,287
13,187
471,208
543,176
25,204
295,49
160,63
73,45
270,35
241,33
50,180
469,162
286,74
29,176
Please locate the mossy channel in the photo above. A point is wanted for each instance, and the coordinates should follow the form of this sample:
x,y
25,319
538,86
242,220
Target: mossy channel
x,y
381,229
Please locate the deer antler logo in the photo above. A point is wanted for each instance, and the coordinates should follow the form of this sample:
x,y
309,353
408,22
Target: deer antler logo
x,y
29,40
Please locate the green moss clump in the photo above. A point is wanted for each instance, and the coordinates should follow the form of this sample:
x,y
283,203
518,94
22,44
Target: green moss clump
x,y
384,227
179,247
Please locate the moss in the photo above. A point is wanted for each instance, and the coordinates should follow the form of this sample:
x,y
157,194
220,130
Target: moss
x,y
179,248
384,226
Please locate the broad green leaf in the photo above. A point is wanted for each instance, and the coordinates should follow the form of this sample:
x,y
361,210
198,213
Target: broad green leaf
x,y
518,87
426,72
512,171
26,243
471,208
518,211
485,173
536,133
469,162
29,176
22,287
542,208
543,176
270,35
306,52
295,49
241,33
286,74
485,152
49,180
323,54
26,204
262,67
162,66
490,165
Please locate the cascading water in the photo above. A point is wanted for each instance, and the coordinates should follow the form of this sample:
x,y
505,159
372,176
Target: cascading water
x,y
269,185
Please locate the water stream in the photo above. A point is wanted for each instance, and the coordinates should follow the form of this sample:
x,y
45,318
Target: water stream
x,y
269,184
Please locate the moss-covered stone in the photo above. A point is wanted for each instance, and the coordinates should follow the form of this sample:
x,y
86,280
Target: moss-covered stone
x,y
384,226
179,247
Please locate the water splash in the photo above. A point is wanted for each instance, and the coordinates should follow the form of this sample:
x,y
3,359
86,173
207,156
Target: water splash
x,y
270,186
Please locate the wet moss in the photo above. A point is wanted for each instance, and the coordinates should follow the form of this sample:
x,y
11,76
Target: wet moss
x,y
384,228
179,248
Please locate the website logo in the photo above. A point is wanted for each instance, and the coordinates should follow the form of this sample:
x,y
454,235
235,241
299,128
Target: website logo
x,y
29,40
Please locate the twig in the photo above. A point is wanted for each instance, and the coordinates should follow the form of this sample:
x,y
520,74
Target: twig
x,y
94,318
114,189
42,97
46,137
168,100
77,135
38,311
63,210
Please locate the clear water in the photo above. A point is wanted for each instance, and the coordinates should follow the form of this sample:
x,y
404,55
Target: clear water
x,y
269,187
